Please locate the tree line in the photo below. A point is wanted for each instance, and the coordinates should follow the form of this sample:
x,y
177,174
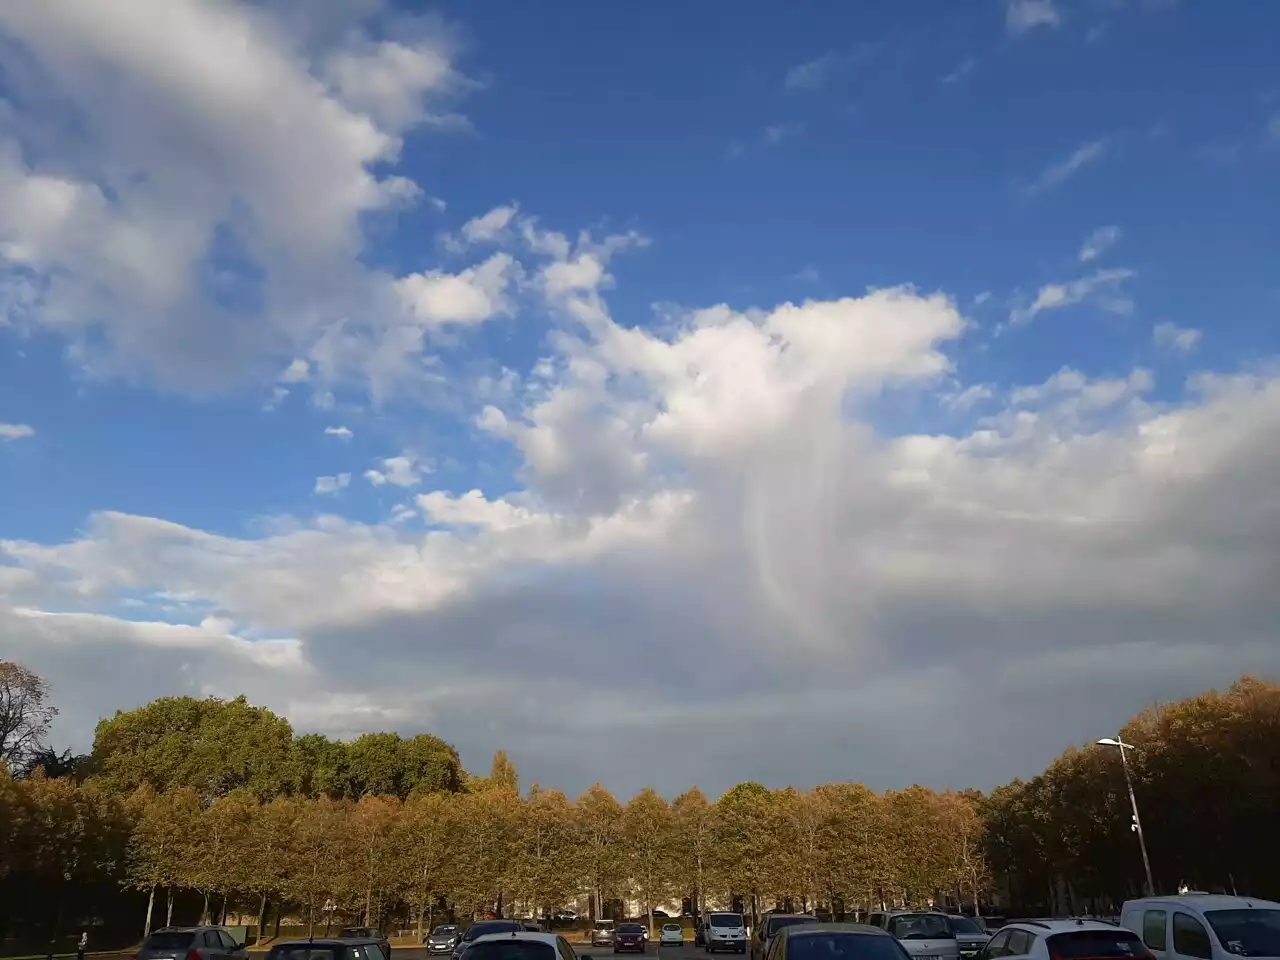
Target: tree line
x,y
217,805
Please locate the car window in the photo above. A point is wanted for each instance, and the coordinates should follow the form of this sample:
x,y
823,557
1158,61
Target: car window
x,y
965,925
210,938
513,949
563,948
374,951
1020,942
876,920
843,946
1154,924
1190,938
1119,943
228,941
1249,933
774,924
485,927
303,951
726,920
920,926
998,946
170,940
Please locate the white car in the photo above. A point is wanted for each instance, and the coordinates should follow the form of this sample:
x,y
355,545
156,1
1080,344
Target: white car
x,y
520,945
1204,925
1047,939
671,935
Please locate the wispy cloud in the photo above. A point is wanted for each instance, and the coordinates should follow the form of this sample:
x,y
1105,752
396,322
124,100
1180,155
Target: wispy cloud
x,y
329,486
962,70
806,274
1102,286
967,398
775,134
1063,170
1021,16
1099,242
813,74
1176,339
15,431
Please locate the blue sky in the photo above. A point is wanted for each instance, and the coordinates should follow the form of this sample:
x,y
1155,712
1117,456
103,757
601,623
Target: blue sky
x,y
1089,183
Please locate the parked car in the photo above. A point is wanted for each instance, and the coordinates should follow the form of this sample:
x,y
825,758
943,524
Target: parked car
x,y
1202,926
970,935
328,948
191,943
602,933
629,936
724,931
520,945
834,941
1077,939
482,928
366,933
671,935
769,925
443,938
923,933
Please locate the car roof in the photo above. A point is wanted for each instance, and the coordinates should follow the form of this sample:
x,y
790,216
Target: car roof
x,y
788,916
810,929
1060,926
1205,901
528,935
324,941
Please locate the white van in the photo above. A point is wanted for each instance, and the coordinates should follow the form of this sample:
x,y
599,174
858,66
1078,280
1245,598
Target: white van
x,y
1202,926
725,931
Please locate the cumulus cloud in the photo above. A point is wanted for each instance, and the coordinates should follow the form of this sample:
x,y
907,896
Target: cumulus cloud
x,y
342,433
15,431
1060,171
401,471
1176,339
1022,16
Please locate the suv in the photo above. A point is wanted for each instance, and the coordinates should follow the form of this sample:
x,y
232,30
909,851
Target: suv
x,y
1205,926
922,933
1063,940
602,933
191,943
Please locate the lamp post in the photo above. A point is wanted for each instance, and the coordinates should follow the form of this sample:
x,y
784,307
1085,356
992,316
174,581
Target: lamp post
x,y
1133,802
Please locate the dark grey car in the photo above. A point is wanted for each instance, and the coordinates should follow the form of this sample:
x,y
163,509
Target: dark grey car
x,y
444,938
192,943
970,935
329,948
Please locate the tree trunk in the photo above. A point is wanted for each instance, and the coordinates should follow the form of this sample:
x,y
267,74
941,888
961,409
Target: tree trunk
x,y
204,910
262,918
151,902
279,910
650,911
223,921
168,918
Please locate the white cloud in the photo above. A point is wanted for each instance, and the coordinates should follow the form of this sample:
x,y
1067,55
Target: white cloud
x,y
962,70
1022,16
1102,287
1170,336
472,296
296,372
401,471
490,226
188,128
969,397
1063,170
343,433
813,74
329,486
15,431
1099,242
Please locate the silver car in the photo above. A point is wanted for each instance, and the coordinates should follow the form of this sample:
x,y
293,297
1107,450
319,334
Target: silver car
x,y
192,943
926,935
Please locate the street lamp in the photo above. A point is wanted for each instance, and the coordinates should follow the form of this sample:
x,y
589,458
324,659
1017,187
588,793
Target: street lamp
x,y
1133,802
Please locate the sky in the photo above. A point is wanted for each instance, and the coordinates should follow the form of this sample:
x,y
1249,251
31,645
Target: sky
x,y
663,393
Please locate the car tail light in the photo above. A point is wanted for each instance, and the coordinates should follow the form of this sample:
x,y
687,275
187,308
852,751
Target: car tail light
x,y
193,954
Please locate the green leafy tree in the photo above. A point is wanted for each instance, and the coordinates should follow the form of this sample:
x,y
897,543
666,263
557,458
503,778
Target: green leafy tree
x,y
648,833
693,842
599,827
425,839
164,828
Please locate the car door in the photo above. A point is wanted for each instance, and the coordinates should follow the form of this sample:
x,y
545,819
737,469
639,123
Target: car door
x,y
1191,939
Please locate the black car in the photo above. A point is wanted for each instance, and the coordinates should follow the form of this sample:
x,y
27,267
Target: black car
x,y
443,938
329,948
482,928
629,936
366,933
834,941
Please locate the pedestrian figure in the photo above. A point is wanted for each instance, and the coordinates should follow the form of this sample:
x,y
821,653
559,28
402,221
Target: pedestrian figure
x,y
81,944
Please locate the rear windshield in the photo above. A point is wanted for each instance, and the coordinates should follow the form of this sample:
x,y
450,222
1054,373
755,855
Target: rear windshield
x,y
304,951
777,923
1249,933
604,924
1096,943
965,925
726,919
511,950
921,926
445,930
671,926
171,940
486,927
630,928
844,946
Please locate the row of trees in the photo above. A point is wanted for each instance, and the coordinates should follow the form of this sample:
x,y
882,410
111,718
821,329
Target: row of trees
x,y
491,848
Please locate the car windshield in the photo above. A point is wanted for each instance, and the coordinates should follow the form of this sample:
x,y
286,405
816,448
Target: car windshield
x,y
777,923
485,927
726,919
511,950
1249,933
670,926
630,928
305,951
1095,943
965,925
921,926
170,940
444,930
604,924
844,946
